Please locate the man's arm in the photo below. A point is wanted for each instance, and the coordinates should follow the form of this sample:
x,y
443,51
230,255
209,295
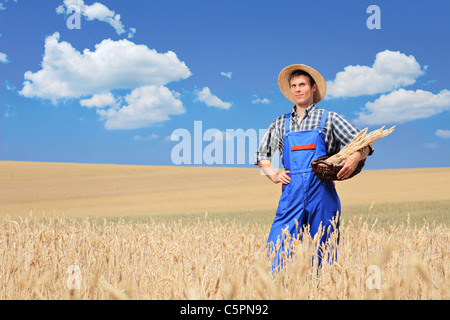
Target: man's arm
x,y
344,132
269,171
268,146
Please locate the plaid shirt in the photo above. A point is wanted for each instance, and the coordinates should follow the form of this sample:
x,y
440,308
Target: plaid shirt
x,y
337,130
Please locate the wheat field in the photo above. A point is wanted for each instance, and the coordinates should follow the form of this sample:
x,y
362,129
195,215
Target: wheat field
x,y
56,189
56,241
62,258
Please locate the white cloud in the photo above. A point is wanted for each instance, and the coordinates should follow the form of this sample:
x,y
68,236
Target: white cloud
x,y
68,73
3,58
146,106
211,100
131,32
2,4
147,138
443,133
391,70
404,105
10,111
228,75
431,145
258,100
9,86
96,11
100,101
92,76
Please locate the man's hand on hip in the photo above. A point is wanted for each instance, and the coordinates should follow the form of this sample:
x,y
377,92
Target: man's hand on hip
x,y
281,177
275,177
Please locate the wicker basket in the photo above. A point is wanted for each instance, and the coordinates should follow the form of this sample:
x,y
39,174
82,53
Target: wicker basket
x,y
329,171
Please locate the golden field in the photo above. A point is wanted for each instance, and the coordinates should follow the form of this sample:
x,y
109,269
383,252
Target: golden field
x,y
113,190
57,241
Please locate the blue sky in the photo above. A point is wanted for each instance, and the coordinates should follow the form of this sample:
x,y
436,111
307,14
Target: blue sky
x,y
114,90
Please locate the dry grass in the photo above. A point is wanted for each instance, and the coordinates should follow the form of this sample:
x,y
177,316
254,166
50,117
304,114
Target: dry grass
x,y
214,260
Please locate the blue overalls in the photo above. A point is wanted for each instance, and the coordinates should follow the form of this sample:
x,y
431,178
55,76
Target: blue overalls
x,y
307,199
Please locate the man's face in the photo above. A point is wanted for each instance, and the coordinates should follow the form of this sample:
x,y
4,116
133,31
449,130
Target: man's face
x,y
302,91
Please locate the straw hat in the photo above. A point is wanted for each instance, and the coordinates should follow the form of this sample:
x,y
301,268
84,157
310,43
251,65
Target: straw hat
x,y
283,81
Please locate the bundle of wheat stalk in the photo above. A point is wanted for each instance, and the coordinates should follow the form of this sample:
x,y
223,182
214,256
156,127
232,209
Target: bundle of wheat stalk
x,y
361,140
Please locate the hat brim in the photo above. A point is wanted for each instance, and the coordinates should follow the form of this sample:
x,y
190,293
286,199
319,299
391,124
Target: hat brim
x,y
283,81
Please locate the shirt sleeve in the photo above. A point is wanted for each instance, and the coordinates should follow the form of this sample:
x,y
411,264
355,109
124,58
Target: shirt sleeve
x,y
344,131
268,145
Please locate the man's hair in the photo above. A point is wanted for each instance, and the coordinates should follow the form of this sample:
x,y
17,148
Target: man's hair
x,y
297,73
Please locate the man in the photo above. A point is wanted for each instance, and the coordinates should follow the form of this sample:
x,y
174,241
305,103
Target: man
x,y
303,135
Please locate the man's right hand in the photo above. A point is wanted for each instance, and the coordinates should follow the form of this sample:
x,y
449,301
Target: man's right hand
x,y
281,177
275,177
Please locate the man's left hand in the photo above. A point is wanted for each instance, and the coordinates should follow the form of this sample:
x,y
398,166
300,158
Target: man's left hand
x,y
351,162
349,165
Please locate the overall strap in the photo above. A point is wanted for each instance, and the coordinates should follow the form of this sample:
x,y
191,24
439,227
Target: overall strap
x,y
288,115
323,120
